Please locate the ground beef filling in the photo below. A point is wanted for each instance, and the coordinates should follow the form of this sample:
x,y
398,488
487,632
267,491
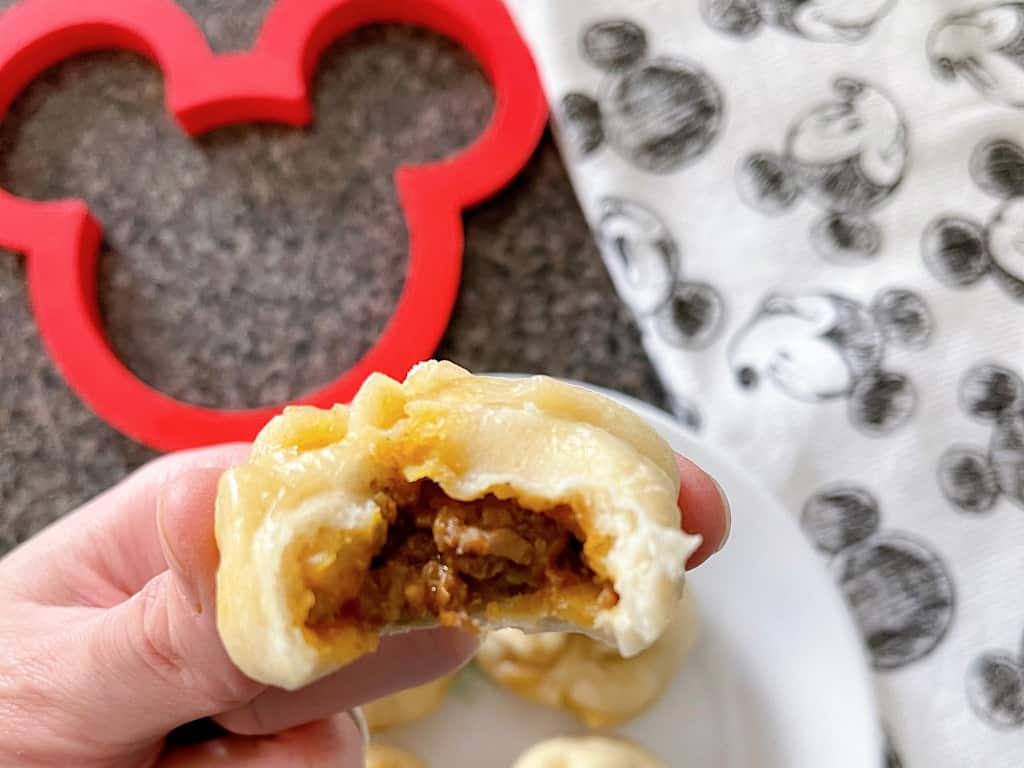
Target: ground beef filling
x,y
445,559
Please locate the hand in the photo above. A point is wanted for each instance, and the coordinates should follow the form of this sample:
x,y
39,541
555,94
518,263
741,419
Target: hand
x,y
108,638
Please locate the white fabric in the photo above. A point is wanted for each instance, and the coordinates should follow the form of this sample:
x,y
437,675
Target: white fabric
x,y
870,299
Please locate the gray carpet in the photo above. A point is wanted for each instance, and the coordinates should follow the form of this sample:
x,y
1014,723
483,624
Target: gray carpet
x,y
259,262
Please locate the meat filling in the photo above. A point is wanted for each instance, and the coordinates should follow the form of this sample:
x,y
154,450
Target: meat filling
x,y
444,558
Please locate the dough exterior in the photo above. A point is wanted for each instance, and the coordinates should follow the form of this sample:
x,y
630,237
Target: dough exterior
x,y
587,752
586,678
406,706
385,756
302,524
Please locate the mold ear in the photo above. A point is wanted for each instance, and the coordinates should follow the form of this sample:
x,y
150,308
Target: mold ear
x,y
766,184
733,17
881,402
955,251
997,166
988,390
839,516
582,123
967,479
615,45
903,317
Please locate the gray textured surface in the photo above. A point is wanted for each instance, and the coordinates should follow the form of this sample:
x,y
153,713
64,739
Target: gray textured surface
x,y
259,262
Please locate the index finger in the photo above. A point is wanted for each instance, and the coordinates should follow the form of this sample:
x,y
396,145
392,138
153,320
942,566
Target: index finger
x,y
704,510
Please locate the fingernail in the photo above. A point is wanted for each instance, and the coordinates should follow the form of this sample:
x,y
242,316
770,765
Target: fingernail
x,y
727,508
364,728
182,579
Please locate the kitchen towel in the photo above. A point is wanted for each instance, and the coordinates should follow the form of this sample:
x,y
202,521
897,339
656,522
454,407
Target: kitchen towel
x,y
815,209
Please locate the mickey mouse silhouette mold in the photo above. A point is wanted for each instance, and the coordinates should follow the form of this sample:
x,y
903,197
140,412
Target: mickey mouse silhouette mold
x,y
899,590
645,264
657,113
960,251
984,47
269,83
995,688
975,479
847,155
825,21
817,347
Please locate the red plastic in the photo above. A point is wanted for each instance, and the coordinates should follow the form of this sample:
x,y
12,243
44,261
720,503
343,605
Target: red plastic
x,y
269,83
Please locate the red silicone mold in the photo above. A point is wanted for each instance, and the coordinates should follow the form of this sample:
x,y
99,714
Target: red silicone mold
x,y
269,83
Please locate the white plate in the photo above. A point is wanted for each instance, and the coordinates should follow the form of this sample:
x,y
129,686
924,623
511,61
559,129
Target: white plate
x,y
778,680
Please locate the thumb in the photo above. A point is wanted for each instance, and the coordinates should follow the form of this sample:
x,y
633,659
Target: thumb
x,y
157,656
333,742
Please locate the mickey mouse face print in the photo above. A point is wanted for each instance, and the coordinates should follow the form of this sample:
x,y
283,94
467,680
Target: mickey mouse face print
x,y
898,588
960,251
818,347
659,114
983,47
642,256
975,479
824,21
645,264
847,155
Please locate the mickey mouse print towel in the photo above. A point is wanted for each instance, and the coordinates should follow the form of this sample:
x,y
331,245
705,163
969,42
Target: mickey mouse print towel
x,y
815,209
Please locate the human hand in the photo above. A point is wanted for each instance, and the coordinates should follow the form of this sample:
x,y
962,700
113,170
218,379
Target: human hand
x,y
108,637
